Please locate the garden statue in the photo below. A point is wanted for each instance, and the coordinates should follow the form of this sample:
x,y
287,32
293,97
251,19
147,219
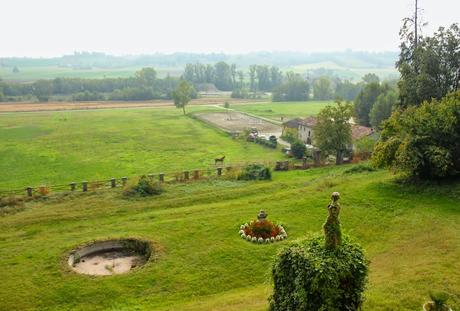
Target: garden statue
x,y
332,232
262,216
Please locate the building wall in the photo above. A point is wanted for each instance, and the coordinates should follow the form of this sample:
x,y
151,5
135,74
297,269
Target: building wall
x,y
305,134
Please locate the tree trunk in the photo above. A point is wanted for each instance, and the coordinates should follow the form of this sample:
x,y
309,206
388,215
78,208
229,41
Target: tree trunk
x,y
339,157
183,109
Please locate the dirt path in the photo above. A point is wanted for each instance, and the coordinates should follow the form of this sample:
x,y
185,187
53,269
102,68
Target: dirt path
x,y
63,106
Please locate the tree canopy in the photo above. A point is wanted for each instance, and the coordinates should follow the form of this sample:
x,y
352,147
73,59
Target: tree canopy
x,y
183,94
423,141
332,133
429,66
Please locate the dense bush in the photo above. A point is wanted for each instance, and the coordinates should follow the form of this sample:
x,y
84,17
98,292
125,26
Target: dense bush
x,y
255,172
240,93
143,187
271,143
298,149
423,141
307,276
87,96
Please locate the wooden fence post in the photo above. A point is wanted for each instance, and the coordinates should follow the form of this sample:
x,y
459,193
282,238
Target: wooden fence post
x,y
113,183
162,177
73,185
29,191
124,180
219,171
84,186
186,175
196,174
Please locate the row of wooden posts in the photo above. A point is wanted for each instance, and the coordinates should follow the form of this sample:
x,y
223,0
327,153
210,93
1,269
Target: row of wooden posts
x,y
124,180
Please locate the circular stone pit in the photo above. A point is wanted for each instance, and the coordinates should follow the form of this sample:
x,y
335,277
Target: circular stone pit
x,y
109,257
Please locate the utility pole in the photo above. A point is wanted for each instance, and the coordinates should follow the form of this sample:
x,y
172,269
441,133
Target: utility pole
x,y
415,22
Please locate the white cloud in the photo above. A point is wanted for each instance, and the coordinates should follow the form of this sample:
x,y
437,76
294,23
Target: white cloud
x,y
55,27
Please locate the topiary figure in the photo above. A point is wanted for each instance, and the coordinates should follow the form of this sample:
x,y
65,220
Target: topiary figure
x,y
324,273
332,231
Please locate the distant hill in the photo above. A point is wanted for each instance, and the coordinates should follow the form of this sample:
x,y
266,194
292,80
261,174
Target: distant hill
x,y
346,64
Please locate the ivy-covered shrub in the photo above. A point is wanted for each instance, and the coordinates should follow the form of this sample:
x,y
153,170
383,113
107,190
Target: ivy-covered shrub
x,y
255,172
422,141
307,276
143,187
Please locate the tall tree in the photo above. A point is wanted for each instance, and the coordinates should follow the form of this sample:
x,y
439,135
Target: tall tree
x,y
371,78
382,108
322,89
252,79
183,94
365,101
332,133
429,66
223,77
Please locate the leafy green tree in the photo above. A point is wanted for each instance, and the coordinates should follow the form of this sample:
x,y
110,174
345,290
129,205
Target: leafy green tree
x,y
347,90
298,149
382,108
223,76
365,101
322,89
295,89
146,76
183,94
332,133
371,78
423,141
429,66
43,90
252,79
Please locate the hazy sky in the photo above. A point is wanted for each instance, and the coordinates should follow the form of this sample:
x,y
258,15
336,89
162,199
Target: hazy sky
x,y
56,27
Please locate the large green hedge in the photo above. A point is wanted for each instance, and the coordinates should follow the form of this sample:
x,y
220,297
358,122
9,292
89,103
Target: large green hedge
x,y
307,276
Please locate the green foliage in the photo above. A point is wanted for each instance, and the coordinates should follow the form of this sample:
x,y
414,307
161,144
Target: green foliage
x,y
347,90
143,187
255,172
295,89
183,94
332,133
439,301
366,100
87,96
382,108
423,141
322,89
365,146
307,276
298,149
289,136
429,66
271,143
240,93
371,78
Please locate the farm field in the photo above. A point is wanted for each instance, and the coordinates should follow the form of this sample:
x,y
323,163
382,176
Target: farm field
x,y
409,233
61,147
287,110
32,73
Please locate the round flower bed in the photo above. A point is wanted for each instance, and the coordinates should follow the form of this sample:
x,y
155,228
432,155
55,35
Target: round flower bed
x,y
262,232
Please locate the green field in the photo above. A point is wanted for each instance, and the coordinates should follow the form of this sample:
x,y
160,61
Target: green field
x,y
287,110
60,147
409,233
31,73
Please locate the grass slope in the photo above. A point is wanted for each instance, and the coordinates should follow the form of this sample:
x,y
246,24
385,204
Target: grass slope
x,y
287,110
61,147
409,233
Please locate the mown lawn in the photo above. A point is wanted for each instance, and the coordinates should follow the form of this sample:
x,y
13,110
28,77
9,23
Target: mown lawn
x,y
60,147
409,233
287,110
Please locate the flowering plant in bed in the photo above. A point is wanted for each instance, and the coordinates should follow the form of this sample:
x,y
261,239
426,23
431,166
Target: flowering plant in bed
x,y
262,230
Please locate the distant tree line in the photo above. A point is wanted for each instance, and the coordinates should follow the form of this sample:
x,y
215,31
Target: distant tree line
x,y
143,86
